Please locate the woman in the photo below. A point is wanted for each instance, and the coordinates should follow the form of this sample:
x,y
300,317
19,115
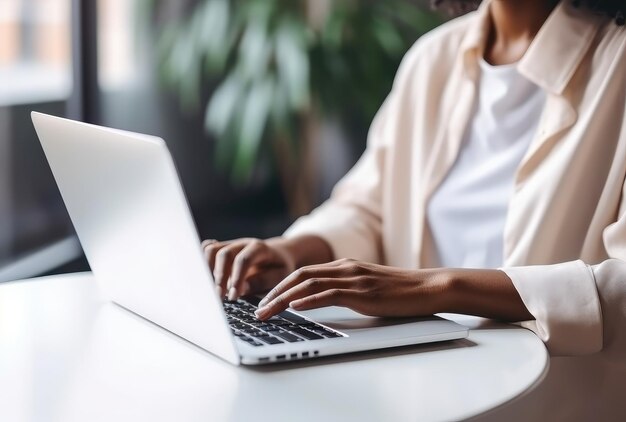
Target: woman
x,y
492,185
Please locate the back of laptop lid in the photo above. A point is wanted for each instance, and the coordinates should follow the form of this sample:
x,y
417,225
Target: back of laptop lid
x,y
128,208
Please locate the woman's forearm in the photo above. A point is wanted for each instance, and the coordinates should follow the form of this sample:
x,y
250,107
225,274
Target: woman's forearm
x,y
485,293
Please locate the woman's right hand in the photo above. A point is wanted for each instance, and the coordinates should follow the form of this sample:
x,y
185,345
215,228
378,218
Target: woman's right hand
x,y
248,266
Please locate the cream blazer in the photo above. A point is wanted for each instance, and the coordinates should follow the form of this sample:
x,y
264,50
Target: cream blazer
x,y
565,235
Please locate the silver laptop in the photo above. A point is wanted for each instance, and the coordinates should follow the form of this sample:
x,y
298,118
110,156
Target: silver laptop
x,y
128,207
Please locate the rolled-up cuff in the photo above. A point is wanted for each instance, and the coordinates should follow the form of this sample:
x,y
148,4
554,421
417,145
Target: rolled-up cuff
x,y
563,298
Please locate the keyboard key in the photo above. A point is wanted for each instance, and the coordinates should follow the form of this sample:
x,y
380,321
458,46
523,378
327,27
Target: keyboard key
x,y
252,341
271,328
278,321
323,332
267,327
252,331
260,335
287,336
305,333
271,340
293,318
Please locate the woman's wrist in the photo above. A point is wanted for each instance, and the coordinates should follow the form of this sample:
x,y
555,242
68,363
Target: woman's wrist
x,y
301,251
439,287
487,293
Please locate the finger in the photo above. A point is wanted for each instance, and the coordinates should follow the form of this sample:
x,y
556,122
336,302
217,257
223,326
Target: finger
x,y
333,297
261,280
253,283
298,276
211,247
255,253
223,263
208,242
304,289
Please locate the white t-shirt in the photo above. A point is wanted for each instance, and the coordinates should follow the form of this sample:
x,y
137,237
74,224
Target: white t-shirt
x,y
468,211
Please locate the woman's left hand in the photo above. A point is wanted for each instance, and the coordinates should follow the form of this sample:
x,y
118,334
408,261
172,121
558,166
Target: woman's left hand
x,y
369,289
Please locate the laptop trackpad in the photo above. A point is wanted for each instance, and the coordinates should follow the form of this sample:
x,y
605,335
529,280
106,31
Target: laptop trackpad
x,y
343,319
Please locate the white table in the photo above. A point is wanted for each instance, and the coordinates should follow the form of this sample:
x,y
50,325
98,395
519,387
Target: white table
x,y
66,354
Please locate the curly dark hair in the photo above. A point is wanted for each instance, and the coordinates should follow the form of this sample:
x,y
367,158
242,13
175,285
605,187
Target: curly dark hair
x,y
615,9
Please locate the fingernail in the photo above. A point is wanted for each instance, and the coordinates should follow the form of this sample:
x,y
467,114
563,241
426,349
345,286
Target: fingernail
x,y
262,302
295,304
232,294
261,312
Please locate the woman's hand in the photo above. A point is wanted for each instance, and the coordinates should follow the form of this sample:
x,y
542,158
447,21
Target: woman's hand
x,y
377,290
247,266
250,266
369,289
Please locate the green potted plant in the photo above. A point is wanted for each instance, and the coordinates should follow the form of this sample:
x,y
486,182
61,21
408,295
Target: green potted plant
x,y
279,65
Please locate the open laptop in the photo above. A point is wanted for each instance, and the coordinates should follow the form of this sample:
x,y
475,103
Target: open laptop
x,y
129,210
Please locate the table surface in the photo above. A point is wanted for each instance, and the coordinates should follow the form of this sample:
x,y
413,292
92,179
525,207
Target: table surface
x,y
67,354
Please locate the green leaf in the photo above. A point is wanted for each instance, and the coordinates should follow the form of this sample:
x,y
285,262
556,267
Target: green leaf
x,y
213,33
420,20
183,67
293,63
254,50
333,32
388,37
254,119
221,110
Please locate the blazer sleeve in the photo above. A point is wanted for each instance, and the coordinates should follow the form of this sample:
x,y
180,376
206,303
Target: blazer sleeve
x,y
350,221
578,308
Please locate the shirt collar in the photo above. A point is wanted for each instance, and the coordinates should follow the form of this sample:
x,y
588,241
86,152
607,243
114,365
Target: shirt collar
x,y
475,39
555,53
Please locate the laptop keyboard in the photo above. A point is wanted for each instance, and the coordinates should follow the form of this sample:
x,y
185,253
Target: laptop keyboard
x,y
285,327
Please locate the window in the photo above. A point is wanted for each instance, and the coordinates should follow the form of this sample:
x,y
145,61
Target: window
x,y
35,54
35,74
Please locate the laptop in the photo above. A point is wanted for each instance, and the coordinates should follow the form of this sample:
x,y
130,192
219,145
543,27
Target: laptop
x,y
128,207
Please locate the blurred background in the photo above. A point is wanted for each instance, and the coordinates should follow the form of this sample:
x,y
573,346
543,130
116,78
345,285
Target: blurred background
x,y
264,104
